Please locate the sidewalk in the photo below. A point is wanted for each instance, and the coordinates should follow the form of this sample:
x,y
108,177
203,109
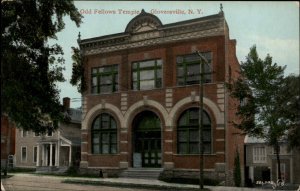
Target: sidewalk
x,y
135,183
151,184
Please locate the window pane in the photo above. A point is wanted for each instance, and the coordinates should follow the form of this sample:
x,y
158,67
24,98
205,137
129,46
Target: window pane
x,y
182,136
194,135
113,138
149,63
134,76
105,80
147,75
145,85
193,70
96,123
207,148
180,71
179,59
159,62
134,85
192,58
106,88
96,149
113,148
194,148
96,139
206,136
105,138
94,81
94,70
159,73
105,149
135,65
113,124
182,148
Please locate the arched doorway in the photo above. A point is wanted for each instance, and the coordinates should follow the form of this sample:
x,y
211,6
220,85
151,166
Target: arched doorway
x,y
147,140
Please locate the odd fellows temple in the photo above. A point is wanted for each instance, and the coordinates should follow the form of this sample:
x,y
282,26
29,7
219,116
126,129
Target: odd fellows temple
x,y
141,106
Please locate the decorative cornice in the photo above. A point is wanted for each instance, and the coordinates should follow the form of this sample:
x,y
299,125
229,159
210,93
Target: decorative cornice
x,y
196,28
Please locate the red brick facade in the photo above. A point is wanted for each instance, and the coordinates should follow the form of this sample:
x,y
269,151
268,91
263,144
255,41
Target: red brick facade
x,y
8,136
164,42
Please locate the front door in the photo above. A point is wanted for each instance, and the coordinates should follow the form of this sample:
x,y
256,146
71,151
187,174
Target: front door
x,y
147,139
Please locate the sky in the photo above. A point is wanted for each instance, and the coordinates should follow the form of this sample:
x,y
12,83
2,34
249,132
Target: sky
x,y
272,26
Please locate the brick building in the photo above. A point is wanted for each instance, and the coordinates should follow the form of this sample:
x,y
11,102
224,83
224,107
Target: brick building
x,y
141,107
8,140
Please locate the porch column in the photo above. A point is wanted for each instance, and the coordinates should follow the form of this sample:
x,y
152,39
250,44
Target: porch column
x,y
38,155
43,155
50,154
58,151
56,154
46,155
70,155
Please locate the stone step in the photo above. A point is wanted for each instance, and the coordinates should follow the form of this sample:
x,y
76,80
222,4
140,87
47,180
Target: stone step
x,y
142,173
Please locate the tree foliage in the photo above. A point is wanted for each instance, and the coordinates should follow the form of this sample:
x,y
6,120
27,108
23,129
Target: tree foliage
x,y
78,71
30,67
265,100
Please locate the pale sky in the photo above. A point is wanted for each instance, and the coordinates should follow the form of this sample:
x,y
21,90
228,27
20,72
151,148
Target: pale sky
x,y
272,26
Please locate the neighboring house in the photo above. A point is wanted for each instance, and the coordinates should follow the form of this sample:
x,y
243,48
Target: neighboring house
x,y
52,151
8,140
141,107
261,163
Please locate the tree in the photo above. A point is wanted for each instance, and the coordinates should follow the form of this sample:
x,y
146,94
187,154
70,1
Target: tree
x,y
259,90
291,108
78,71
30,67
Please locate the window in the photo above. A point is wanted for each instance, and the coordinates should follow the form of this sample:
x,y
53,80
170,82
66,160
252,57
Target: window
x,y
188,132
104,135
105,79
24,133
36,134
147,75
23,154
259,155
49,133
34,154
188,69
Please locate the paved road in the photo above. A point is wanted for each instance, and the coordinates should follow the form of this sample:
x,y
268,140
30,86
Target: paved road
x,y
49,183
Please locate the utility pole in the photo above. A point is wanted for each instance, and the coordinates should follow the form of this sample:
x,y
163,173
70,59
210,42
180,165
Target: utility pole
x,y
201,147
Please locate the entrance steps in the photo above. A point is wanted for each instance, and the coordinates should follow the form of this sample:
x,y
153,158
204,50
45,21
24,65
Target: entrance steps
x,y
142,173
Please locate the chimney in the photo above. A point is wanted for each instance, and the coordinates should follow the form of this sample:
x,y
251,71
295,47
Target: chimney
x,y
66,102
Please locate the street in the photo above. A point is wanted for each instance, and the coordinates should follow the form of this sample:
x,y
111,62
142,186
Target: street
x,y
20,182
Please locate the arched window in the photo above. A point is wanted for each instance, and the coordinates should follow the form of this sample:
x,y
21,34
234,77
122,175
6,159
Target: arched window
x,y
188,132
104,135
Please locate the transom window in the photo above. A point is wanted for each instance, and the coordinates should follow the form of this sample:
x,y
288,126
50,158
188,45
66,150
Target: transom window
x,y
188,132
188,69
104,135
147,75
105,79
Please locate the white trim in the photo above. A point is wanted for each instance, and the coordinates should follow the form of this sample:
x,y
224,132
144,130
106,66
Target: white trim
x,y
90,115
143,103
219,116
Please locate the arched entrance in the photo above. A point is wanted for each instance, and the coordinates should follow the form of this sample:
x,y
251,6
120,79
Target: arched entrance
x,y
147,140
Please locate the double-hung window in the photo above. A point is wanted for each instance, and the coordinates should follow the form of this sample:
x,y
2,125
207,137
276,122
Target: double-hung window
x,y
147,75
259,154
105,79
188,69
